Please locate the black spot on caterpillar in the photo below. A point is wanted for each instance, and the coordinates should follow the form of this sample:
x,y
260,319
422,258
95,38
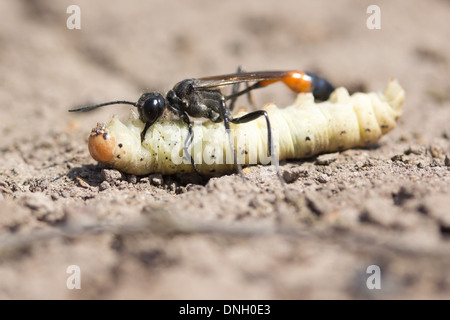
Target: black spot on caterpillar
x,y
340,123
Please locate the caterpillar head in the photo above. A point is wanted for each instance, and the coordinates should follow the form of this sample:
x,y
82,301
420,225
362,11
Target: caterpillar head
x,y
101,144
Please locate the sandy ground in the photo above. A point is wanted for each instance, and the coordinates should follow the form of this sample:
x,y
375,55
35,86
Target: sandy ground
x,y
169,237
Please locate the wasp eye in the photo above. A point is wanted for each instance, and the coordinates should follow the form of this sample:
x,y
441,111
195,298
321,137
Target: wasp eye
x,y
151,107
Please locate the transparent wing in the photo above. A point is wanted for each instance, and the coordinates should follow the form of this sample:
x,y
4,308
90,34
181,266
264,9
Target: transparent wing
x,y
232,78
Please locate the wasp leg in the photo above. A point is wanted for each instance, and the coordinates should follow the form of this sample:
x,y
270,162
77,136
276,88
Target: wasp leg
x,y
226,120
174,107
234,90
247,90
234,93
147,125
187,142
253,116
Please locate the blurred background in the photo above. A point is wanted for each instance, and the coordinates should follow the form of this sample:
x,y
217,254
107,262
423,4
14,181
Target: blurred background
x,y
125,48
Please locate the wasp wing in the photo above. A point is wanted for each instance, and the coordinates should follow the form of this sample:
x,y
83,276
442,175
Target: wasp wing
x,y
233,78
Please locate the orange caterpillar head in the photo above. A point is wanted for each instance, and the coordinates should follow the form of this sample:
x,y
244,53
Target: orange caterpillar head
x,y
101,144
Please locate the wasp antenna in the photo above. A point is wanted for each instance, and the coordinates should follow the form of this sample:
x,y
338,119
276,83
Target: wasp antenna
x,y
89,108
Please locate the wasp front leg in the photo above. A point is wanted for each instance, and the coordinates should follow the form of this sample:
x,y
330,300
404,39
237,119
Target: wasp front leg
x,y
226,121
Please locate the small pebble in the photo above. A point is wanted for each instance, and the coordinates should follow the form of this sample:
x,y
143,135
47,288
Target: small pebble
x,y
156,179
82,183
323,178
436,151
132,179
326,159
104,185
111,175
293,174
415,149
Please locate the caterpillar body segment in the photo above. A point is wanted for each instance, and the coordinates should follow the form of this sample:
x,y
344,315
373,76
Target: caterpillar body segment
x,y
301,130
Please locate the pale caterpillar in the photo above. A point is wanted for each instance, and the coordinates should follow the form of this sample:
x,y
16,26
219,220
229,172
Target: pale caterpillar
x,y
301,130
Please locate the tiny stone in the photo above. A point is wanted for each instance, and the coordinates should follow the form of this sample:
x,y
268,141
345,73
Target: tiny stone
x,y
421,164
436,163
156,179
111,174
415,149
132,178
359,165
122,185
173,187
82,183
194,187
293,174
326,159
144,180
397,157
323,178
104,185
436,151
401,158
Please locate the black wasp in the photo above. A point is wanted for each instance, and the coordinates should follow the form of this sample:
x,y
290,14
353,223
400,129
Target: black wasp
x,y
202,97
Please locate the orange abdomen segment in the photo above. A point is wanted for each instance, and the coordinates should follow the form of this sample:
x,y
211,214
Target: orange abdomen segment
x,y
297,81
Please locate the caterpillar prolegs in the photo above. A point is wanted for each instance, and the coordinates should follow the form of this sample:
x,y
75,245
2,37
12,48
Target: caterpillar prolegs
x,y
304,129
